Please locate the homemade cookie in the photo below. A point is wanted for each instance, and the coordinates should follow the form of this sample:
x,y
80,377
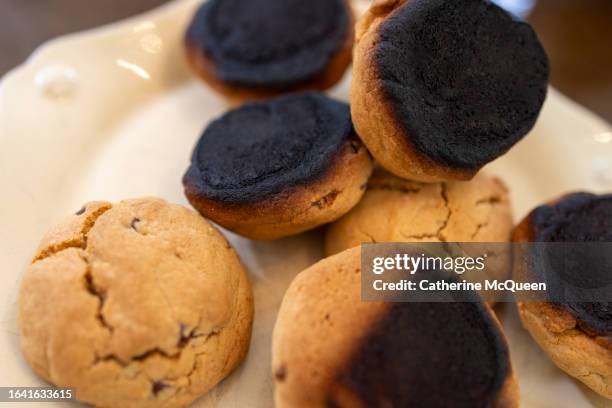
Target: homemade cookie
x,y
442,87
280,167
576,336
397,210
252,49
136,304
330,349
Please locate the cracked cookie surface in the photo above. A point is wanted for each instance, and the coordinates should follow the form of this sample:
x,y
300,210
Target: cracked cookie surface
x,y
397,210
136,304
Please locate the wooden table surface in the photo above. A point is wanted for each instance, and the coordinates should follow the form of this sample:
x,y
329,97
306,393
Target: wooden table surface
x,y
576,33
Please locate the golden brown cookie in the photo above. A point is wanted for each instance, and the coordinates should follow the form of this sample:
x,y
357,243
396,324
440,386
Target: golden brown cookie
x,y
577,336
141,303
433,98
256,49
276,168
330,349
397,210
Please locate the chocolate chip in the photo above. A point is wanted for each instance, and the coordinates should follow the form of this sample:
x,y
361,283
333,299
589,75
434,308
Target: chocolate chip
x,y
158,386
133,223
281,373
326,200
81,211
185,336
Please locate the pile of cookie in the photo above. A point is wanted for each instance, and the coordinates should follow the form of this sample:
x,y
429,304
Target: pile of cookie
x,y
143,303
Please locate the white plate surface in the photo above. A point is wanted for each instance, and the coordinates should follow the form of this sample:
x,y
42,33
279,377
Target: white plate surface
x,y
113,113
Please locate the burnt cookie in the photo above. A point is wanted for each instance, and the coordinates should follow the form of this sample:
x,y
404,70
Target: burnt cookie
x,y
576,335
140,303
442,87
330,349
276,168
253,49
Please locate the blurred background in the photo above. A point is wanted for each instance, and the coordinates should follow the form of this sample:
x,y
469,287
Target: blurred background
x,y
576,33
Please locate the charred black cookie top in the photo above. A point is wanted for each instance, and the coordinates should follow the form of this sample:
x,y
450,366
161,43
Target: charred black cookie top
x,y
464,79
269,43
430,355
264,148
579,218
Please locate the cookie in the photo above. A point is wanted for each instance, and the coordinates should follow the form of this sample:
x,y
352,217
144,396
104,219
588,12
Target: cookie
x,y
141,303
253,49
276,168
397,210
576,336
330,349
442,87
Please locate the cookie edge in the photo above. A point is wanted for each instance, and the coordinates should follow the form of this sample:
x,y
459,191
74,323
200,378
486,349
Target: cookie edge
x,y
205,69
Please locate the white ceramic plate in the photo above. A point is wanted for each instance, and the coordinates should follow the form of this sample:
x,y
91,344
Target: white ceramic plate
x,y
114,113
